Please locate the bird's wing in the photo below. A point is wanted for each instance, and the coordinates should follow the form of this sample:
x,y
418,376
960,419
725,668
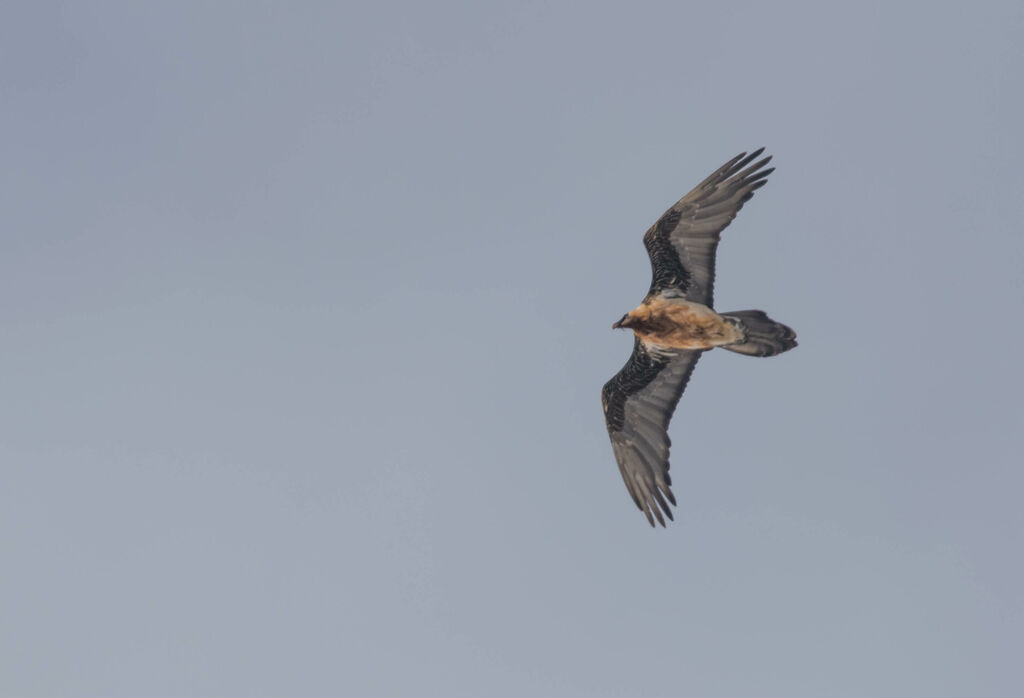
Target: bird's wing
x,y
682,244
638,404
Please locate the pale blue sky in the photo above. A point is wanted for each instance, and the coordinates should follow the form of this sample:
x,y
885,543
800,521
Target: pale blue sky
x,y
305,312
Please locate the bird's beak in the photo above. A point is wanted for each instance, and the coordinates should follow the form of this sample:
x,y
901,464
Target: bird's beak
x,y
622,322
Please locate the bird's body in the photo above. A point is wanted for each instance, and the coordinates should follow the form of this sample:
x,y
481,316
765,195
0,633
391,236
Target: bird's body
x,y
675,324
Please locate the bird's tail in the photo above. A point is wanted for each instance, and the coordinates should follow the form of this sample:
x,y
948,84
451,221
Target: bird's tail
x,y
762,336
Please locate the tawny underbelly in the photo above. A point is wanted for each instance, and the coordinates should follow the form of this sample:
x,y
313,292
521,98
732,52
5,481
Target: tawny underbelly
x,y
687,326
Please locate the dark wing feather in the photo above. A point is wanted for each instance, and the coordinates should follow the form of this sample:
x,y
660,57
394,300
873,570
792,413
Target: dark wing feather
x,y
638,405
683,243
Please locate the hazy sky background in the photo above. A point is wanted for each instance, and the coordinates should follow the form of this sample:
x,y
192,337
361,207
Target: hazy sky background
x,y
305,310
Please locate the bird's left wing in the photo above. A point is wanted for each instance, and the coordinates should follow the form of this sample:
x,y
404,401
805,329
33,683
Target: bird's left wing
x,y
638,405
683,243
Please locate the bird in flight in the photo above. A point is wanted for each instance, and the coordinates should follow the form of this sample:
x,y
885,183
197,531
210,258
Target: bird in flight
x,y
675,324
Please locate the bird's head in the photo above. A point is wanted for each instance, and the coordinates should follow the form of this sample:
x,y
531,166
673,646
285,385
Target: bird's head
x,y
636,319
623,323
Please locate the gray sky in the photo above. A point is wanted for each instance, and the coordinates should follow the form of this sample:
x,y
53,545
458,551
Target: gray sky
x,y
305,313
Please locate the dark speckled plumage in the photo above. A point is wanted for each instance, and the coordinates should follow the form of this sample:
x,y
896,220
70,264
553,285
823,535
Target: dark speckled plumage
x,y
638,405
666,269
638,372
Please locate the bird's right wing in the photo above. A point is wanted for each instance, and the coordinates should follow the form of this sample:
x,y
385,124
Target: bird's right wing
x,y
683,243
638,405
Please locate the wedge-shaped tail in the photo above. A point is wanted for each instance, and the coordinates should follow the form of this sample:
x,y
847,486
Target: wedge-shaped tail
x,y
762,335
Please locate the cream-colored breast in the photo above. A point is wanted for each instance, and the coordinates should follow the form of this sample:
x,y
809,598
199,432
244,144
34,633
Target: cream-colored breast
x,y
684,325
